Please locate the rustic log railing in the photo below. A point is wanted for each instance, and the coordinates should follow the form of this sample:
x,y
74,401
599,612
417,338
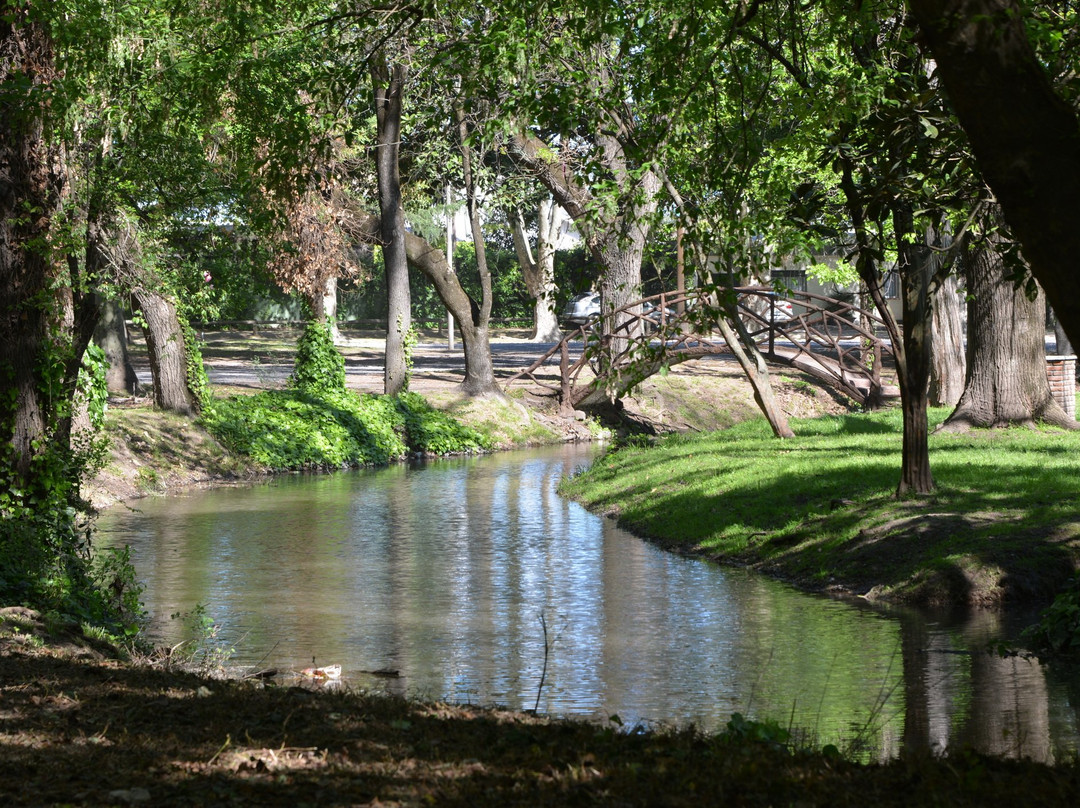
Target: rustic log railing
x,y
832,340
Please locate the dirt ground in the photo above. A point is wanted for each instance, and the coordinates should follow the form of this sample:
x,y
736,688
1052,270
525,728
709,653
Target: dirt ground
x,y
80,728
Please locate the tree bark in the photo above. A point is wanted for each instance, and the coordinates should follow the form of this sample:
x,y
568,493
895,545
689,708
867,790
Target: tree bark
x,y
31,185
388,84
168,352
479,369
917,266
1006,378
539,271
947,362
111,336
1026,138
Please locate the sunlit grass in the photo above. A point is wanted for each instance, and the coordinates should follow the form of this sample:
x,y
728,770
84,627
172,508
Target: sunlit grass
x,y
821,505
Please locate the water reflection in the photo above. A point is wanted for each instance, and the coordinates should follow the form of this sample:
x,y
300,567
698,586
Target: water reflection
x,y
442,573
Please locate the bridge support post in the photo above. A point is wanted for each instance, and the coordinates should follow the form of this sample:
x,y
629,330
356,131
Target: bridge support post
x,y
566,406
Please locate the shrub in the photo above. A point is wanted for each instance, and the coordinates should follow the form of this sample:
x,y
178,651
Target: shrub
x,y
1058,631
295,429
320,367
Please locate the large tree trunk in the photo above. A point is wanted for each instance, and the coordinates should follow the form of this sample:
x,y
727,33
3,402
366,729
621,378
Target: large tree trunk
x,y
388,86
947,362
111,336
1006,379
168,352
1025,137
539,271
32,179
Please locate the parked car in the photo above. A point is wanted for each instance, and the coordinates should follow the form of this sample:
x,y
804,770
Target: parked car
x,y
580,309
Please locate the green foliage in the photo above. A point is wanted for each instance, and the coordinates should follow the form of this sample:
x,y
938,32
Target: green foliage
x,y
295,429
197,380
203,646
809,505
433,432
408,345
92,384
47,563
741,731
1058,631
320,367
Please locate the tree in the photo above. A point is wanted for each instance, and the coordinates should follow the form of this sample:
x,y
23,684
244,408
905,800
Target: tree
x,y
388,84
177,385
538,268
111,336
479,370
1006,378
31,186
947,364
1024,135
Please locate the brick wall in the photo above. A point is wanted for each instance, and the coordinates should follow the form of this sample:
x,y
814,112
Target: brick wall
x,y
1061,371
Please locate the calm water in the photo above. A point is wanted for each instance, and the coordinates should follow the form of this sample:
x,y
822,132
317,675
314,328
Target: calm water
x,y
446,573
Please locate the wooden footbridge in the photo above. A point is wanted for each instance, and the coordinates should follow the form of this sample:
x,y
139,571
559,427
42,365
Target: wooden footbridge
x,y
832,340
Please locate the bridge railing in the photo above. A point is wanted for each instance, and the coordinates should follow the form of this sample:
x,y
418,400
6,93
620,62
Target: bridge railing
x,y
831,339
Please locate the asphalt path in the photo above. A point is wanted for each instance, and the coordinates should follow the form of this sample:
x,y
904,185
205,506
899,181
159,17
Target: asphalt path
x,y
364,365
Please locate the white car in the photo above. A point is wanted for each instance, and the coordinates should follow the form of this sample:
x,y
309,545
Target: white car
x,y
580,309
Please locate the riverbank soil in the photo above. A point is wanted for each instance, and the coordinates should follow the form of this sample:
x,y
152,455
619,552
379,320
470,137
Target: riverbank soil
x,y
80,728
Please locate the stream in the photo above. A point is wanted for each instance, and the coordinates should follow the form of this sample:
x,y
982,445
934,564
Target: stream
x,y
471,580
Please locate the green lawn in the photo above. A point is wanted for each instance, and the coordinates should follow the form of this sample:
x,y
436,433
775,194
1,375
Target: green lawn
x,y
1002,524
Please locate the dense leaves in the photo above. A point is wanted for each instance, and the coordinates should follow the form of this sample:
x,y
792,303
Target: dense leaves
x,y
296,429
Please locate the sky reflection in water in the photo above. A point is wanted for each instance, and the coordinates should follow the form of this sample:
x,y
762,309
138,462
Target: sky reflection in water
x,y
442,572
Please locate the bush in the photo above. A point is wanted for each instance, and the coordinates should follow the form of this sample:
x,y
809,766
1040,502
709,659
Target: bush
x,y
320,367
1058,631
296,429
433,432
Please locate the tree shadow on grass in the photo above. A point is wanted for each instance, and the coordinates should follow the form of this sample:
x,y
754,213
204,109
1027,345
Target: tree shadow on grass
x,y
976,547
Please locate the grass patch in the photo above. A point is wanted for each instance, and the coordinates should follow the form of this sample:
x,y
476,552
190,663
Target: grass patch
x,y
295,429
506,423
819,508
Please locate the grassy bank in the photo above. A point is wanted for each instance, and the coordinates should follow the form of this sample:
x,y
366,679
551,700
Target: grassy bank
x,y
819,509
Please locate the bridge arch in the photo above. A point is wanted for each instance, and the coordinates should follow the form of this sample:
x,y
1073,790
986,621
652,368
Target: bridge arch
x,y
830,339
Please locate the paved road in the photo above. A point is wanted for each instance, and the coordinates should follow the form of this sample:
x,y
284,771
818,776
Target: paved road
x,y
434,365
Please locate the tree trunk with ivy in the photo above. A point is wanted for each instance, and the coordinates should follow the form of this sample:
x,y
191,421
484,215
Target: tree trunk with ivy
x,y
31,185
